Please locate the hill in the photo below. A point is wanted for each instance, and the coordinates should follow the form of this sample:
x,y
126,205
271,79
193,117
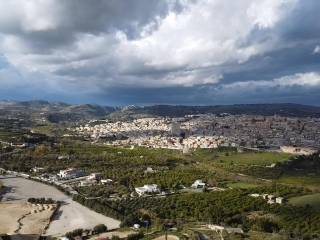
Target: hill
x,y
52,111
286,109
57,112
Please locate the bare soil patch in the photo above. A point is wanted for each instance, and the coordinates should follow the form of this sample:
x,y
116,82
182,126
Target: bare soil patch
x,y
24,218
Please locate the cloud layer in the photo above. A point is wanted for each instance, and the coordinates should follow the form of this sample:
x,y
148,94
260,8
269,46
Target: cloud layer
x,y
89,50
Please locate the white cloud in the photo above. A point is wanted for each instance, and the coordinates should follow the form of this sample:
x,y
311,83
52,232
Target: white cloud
x,y
266,14
311,79
316,50
174,49
211,32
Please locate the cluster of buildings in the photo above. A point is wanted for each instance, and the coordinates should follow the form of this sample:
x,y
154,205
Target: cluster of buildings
x,y
260,131
155,189
70,173
208,131
271,199
67,178
137,127
151,132
298,150
170,142
95,178
147,189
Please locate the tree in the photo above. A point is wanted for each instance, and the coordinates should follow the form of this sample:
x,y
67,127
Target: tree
x,y
135,236
100,228
77,232
129,220
266,225
115,237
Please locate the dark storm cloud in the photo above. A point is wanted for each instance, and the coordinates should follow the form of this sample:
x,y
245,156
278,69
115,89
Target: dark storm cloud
x,y
72,17
303,23
275,64
150,51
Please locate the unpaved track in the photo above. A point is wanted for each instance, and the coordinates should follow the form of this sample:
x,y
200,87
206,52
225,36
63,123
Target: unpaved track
x,y
71,215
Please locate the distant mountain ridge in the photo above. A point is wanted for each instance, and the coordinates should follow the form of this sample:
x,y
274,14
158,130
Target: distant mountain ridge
x,y
53,111
282,109
63,112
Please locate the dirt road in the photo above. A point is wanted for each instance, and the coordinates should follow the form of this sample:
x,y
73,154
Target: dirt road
x,y
71,215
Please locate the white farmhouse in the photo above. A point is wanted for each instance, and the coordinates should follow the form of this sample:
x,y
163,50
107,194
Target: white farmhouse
x,y
255,195
151,188
279,200
198,184
70,173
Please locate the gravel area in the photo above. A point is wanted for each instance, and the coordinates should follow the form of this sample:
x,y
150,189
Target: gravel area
x,y
71,215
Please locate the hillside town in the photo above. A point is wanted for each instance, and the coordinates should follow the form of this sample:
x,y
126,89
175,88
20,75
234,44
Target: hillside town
x,y
208,131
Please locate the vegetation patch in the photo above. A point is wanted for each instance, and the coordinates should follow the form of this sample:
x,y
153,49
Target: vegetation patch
x,y
242,185
311,200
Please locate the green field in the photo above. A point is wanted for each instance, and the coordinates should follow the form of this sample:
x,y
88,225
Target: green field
x,y
9,135
253,158
229,156
242,185
312,200
311,181
50,129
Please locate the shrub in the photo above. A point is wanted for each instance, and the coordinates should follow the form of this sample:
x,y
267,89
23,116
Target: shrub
x,y
115,237
74,233
100,228
135,236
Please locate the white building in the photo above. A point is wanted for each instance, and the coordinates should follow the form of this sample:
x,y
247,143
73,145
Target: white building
x,y
37,169
215,227
152,188
255,195
279,200
87,182
106,181
271,199
95,176
198,184
149,170
70,173
136,226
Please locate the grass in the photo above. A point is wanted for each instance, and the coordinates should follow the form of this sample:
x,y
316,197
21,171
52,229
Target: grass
x,y
311,181
242,185
232,157
255,235
253,158
311,199
50,129
9,135
226,162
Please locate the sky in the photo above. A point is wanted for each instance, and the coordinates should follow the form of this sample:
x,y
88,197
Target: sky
x,y
144,52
